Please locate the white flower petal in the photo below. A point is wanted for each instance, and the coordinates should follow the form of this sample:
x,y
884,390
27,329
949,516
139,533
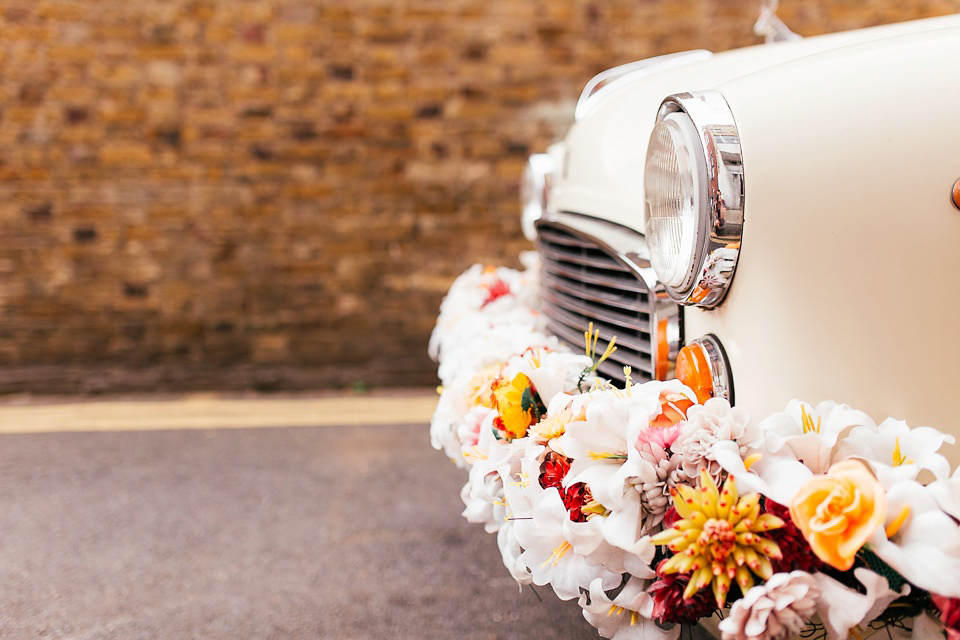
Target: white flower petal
x,y
842,608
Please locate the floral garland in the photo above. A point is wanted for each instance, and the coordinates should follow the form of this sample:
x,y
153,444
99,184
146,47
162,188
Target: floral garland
x,y
652,510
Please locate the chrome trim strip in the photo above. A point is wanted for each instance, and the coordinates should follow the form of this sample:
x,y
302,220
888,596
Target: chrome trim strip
x,y
722,217
535,190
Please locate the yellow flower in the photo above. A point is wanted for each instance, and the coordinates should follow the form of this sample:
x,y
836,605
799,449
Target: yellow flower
x,y
552,426
837,512
480,387
718,539
517,405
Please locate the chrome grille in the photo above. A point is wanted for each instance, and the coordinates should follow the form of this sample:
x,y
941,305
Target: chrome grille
x,y
580,283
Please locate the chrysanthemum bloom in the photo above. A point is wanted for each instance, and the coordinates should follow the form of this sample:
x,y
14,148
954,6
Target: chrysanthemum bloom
x,y
706,424
718,540
553,425
654,467
772,610
518,405
839,511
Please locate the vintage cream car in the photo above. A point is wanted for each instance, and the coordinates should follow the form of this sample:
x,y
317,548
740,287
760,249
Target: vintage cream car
x,y
788,214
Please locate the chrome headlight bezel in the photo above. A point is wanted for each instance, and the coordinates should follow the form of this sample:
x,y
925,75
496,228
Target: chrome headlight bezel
x,y
535,191
716,189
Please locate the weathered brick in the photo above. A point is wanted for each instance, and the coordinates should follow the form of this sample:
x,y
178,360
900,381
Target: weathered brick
x,y
211,193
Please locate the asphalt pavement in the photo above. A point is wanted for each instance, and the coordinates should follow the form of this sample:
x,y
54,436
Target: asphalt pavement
x,y
205,530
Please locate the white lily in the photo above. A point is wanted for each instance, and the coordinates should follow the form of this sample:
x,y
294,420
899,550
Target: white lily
x,y
810,434
480,292
778,477
551,372
925,548
903,451
550,556
483,494
842,608
482,341
510,553
627,615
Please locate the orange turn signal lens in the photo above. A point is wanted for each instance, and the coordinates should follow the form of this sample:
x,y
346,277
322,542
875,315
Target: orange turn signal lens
x,y
693,370
663,351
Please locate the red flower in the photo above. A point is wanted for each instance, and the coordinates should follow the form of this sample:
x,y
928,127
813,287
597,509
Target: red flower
x,y
670,518
553,470
796,551
669,605
949,615
497,289
574,499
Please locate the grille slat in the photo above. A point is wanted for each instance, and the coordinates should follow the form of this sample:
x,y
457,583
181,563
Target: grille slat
x,y
616,298
574,335
580,257
610,280
582,283
638,361
593,312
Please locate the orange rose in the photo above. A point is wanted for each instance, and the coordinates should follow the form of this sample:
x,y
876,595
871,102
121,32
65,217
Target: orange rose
x,y
837,512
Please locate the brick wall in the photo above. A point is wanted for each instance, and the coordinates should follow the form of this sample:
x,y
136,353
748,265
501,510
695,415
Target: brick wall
x,y
222,194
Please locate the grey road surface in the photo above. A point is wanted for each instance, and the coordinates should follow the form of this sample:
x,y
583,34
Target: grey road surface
x,y
327,532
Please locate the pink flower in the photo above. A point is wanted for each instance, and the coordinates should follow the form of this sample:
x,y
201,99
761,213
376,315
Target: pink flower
x,y
662,436
468,432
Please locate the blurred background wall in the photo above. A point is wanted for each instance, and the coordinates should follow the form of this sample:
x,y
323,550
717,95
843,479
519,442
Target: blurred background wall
x,y
274,195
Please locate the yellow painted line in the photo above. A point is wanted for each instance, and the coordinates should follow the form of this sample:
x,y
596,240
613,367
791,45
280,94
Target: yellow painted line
x,y
217,413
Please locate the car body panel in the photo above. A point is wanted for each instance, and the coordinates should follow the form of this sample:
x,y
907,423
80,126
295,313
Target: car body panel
x,y
602,170
845,288
845,285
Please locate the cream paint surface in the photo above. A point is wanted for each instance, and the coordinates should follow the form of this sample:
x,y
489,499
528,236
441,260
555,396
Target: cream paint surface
x,y
212,412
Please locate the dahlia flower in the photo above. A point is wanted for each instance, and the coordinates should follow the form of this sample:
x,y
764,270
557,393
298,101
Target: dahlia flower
x,y
706,425
780,606
718,540
669,604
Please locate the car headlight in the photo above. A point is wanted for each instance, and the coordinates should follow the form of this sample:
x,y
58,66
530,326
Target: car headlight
x,y
535,191
693,185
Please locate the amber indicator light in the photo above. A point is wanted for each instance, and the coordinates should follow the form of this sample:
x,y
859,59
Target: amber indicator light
x,y
663,351
956,194
694,371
